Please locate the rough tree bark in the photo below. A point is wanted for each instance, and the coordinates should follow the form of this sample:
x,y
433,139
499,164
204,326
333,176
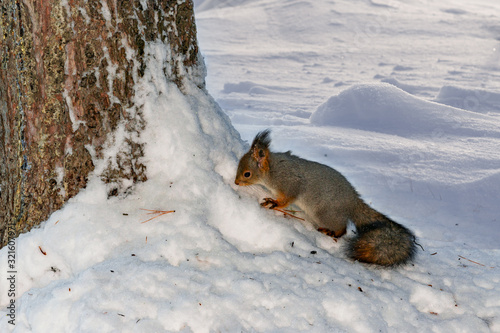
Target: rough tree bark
x,y
68,69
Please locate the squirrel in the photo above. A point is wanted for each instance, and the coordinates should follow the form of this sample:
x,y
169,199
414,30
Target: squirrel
x,y
328,200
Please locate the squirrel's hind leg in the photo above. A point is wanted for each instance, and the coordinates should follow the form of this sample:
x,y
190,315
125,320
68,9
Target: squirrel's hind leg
x,y
331,233
329,221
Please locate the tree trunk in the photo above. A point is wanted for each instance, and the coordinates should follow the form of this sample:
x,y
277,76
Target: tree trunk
x,y
68,68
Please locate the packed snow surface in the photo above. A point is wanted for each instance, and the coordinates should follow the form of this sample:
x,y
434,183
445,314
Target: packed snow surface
x,y
402,97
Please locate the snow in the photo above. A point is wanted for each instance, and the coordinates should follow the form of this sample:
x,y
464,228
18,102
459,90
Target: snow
x,y
402,97
477,100
384,108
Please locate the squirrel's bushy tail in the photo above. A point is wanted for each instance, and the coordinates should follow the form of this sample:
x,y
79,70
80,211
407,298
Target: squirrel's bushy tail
x,y
383,242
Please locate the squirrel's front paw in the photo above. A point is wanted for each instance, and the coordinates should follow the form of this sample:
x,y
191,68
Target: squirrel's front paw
x,y
269,203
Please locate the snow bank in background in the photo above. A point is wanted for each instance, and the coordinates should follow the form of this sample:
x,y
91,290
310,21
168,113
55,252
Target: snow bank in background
x,y
477,100
203,5
252,88
387,109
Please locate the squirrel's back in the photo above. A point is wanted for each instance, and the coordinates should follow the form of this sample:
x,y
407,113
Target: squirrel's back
x,y
326,197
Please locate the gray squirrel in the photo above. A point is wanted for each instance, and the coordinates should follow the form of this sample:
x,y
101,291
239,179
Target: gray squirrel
x,y
328,200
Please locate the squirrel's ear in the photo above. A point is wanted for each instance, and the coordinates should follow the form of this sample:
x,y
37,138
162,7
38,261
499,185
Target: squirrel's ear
x,y
261,155
260,150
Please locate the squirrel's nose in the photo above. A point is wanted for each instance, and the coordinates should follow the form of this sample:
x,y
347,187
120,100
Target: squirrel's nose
x,y
237,182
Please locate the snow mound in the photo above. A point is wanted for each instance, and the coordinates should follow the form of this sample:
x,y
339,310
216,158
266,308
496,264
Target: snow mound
x,y
387,109
204,5
409,88
477,100
251,88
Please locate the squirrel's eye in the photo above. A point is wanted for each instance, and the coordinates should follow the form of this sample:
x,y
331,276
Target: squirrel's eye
x,y
247,174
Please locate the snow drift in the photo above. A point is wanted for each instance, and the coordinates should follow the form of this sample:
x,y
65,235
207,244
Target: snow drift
x,y
387,109
477,100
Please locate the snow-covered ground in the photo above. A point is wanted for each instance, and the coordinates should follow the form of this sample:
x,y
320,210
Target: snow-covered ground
x,y
402,97
274,64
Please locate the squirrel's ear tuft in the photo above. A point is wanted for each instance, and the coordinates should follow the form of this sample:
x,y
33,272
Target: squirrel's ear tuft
x,y
260,150
262,140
